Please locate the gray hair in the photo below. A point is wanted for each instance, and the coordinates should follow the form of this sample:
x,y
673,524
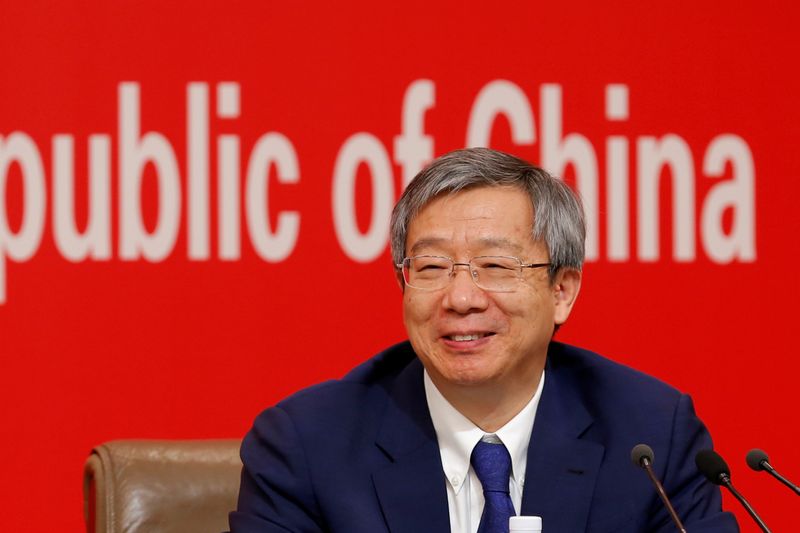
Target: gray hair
x,y
557,212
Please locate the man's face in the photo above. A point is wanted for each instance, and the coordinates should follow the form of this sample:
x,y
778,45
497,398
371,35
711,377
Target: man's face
x,y
464,335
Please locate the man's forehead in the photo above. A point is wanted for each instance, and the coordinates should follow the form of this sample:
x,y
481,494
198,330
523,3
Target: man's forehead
x,y
475,203
482,218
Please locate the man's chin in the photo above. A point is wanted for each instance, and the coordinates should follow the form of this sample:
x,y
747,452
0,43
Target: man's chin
x,y
468,377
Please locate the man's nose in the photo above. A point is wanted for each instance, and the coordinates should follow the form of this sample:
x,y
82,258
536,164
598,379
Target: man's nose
x,y
462,295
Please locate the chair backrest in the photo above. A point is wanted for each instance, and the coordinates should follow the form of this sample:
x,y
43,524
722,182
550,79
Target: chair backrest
x,y
161,486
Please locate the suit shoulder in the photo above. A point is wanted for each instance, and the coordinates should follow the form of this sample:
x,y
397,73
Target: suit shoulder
x,y
337,411
367,382
610,380
386,364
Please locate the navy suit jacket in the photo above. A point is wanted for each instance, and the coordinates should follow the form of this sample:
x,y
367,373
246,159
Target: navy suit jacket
x,y
360,454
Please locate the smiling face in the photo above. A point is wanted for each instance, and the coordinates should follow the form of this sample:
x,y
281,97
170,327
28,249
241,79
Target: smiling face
x,y
468,337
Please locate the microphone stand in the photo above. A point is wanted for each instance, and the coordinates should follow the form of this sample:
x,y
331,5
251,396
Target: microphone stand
x,y
774,473
645,462
726,480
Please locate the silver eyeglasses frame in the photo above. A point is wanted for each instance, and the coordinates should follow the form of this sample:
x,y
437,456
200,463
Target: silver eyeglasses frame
x,y
473,269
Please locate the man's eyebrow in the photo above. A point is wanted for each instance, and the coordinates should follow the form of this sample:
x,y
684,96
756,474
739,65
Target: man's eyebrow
x,y
483,242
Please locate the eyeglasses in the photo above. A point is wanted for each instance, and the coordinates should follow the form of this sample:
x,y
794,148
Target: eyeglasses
x,y
495,273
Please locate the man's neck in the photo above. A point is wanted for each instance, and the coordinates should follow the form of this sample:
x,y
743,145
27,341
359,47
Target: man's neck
x,y
490,406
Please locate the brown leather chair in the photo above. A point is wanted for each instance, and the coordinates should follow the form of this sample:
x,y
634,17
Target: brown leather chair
x,y
161,486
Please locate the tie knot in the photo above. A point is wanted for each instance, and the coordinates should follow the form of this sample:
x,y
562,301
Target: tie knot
x,y
492,465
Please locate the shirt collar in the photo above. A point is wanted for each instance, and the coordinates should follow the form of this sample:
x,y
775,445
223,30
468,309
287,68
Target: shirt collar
x,y
457,435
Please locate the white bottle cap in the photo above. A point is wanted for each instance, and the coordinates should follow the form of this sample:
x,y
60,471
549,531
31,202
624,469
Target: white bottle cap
x,y
529,524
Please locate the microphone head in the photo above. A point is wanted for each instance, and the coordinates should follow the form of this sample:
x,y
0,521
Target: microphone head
x,y
756,459
712,465
640,452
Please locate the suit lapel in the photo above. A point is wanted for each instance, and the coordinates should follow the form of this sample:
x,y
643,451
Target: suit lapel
x,y
411,489
562,469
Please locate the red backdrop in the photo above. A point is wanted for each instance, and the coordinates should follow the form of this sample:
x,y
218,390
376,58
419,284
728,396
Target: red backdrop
x,y
145,328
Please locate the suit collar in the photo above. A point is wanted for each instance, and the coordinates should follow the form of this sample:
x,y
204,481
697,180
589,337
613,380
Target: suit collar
x,y
562,468
411,489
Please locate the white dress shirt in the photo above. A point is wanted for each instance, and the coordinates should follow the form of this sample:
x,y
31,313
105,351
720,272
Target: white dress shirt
x,y
457,437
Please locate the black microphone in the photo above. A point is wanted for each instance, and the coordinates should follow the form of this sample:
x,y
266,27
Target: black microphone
x,y
716,470
758,461
642,456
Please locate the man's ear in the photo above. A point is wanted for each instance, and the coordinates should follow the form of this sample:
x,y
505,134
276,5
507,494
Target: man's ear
x,y
398,275
565,291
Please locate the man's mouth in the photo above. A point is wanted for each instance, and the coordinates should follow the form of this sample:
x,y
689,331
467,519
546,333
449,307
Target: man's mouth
x,y
467,337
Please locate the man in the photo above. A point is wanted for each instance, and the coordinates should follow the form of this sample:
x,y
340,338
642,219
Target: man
x,y
480,415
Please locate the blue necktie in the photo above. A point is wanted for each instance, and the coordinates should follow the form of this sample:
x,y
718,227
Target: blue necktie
x,y
492,464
